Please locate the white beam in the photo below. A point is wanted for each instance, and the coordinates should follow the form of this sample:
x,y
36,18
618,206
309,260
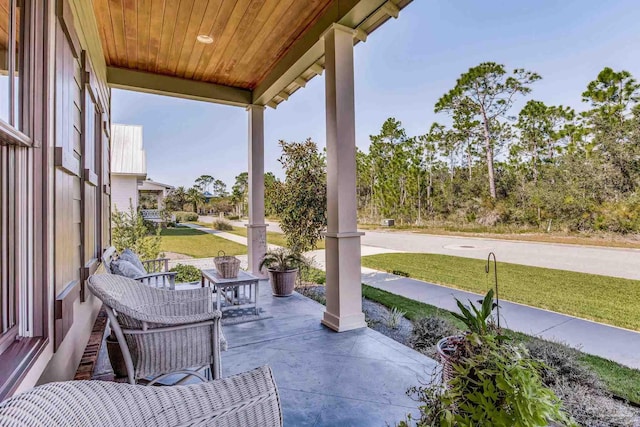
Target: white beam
x,y
343,286
256,229
141,81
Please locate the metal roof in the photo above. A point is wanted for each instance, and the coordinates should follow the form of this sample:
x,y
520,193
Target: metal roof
x,y
149,184
127,152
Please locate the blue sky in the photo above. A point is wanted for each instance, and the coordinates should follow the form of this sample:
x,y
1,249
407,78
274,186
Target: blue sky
x,y
401,71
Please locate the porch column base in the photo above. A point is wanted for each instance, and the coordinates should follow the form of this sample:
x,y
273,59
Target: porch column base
x,y
344,284
257,245
345,323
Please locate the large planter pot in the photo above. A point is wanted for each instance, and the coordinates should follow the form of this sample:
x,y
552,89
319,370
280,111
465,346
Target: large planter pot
x,y
282,282
115,357
446,348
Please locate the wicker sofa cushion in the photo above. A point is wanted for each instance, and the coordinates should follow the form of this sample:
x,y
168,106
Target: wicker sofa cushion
x,y
125,268
133,258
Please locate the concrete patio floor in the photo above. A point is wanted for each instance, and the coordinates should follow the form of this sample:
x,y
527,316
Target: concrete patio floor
x,y
356,378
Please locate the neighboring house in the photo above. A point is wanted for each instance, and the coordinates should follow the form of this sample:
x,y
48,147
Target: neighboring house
x,y
128,166
151,194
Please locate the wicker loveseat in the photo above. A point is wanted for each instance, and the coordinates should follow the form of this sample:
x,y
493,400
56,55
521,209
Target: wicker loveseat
x,y
160,331
247,399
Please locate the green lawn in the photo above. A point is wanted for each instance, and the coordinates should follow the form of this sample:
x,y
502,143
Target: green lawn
x,y
604,299
620,380
197,244
273,237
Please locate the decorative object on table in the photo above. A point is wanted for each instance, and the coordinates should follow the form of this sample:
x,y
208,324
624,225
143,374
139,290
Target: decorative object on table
x,y
282,265
227,266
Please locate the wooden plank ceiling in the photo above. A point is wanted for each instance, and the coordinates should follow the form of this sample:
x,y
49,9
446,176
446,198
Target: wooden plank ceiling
x,y
159,36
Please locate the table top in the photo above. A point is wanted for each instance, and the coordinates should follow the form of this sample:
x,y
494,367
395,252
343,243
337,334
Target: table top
x,y
243,276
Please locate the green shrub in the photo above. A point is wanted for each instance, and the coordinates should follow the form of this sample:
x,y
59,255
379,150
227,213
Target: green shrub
x,y
233,217
186,216
130,231
221,225
186,273
310,274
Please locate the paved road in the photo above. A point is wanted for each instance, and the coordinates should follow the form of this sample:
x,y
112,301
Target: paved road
x,y
614,262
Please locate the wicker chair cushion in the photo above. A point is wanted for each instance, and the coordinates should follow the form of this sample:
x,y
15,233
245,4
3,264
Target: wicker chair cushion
x,y
125,268
132,257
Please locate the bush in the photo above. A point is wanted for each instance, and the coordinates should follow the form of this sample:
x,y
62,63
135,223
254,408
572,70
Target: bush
x,y
233,217
562,365
186,273
221,225
428,331
589,408
129,230
186,216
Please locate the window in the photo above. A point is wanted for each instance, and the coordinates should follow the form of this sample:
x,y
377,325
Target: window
x,y
10,63
12,167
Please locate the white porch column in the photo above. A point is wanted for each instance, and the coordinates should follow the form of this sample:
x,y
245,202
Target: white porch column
x,y
256,229
343,287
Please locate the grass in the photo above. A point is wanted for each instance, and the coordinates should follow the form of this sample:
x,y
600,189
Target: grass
x,y
197,244
273,238
609,300
620,380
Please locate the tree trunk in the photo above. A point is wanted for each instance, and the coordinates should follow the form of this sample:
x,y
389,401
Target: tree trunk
x,y
469,157
489,153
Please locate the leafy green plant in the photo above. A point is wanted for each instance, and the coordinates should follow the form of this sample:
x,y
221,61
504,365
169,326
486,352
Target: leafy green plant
x,y
497,384
282,260
302,201
129,230
186,273
478,320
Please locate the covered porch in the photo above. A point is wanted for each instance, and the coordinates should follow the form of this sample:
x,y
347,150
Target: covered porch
x,y
250,54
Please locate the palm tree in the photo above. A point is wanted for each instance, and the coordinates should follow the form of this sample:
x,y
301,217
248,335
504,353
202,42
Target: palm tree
x,y
195,197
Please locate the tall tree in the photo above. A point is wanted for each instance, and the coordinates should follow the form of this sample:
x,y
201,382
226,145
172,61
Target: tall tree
x,y
195,197
240,193
488,92
304,196
204,182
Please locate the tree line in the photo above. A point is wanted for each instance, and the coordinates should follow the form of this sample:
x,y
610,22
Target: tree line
x,y
542,165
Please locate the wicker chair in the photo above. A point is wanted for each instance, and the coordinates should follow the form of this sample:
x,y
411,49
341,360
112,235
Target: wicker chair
x,y
247,399
158,274
161,332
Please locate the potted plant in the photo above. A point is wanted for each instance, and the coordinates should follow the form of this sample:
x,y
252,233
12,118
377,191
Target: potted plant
x,y
487,380
282,265
477,320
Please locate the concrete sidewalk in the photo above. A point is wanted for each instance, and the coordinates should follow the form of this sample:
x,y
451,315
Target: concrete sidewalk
x,y
620,345
610,342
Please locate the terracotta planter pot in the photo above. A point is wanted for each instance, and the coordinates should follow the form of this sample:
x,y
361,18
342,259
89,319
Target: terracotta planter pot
x,y
115,357
282,282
